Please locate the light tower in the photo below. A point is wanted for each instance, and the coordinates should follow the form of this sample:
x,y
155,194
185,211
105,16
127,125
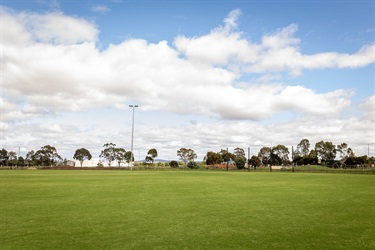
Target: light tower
x,y
131,148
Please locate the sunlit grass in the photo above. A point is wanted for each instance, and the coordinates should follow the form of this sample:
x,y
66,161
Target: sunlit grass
x,y
185,210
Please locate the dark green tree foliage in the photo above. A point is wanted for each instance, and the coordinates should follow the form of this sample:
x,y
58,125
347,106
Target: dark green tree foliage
x,y
239,153
47,156
120,155
354,160
12,158
192,165
30,158
108,153
81,155
151,155
129,157
345,151
213,158
303,148
265,155
326,151
21,161
149,159
279,155
254,161
310,159
239,158
240,162
173,164
4,157
226,156
186,155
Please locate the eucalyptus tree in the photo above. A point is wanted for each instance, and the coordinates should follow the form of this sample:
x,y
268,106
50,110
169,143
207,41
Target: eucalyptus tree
x,y
226,155
81,155
326,151
120,155
345,151
303,147
47,156
108,153
129,157
186,155
239,158
151,155
30,158
12,158
254,161
279,155
4,157
239,153
213,158
265,155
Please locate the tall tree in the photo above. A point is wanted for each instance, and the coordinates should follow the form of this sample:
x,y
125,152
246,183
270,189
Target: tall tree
x,y
30,158
129,157
47,156
254,161
239,153
345,151
21,161
81,155
303,147
186,155
108,153
226,156
265,155
239,158
12,158
120,155
213,158
4,157
151,155
149,159
326,151
280,155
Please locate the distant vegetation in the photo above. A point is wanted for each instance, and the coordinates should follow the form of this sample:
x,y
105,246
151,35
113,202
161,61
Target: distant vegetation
x,y
324,153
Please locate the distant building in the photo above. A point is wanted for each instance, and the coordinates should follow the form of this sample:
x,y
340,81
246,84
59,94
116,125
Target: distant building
x,y
97,162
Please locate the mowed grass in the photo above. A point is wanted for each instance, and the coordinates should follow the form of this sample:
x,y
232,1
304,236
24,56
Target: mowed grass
x,y
185,210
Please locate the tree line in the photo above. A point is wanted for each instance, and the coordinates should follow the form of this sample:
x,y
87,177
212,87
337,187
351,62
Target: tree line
x,y
323,153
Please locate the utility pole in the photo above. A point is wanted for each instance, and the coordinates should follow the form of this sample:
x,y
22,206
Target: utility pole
x,y
131,148
227,160
248,159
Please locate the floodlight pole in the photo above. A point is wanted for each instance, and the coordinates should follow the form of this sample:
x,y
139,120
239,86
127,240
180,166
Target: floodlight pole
x,y
131,148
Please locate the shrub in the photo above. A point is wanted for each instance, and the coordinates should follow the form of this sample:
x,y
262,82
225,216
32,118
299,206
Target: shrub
x,y
173,164
192,165
240,162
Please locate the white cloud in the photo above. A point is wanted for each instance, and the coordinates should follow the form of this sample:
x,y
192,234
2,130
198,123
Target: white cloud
x,y
277,52
231,20
56,28
102,9
202,136
52,66
75,77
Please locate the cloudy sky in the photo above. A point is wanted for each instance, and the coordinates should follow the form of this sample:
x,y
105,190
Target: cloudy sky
x,y
206,74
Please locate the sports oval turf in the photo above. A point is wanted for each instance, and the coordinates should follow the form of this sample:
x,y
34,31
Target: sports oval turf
x,y
185,210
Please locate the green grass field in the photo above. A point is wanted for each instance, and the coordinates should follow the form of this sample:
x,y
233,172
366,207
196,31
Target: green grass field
x,y
185,210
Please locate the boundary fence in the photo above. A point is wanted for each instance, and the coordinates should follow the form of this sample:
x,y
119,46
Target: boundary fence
x,y
370,171
323,171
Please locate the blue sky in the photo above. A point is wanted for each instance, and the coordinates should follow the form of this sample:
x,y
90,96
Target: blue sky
x,y
206,74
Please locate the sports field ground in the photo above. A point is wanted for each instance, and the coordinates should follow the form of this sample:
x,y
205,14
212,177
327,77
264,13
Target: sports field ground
x,y
51,209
